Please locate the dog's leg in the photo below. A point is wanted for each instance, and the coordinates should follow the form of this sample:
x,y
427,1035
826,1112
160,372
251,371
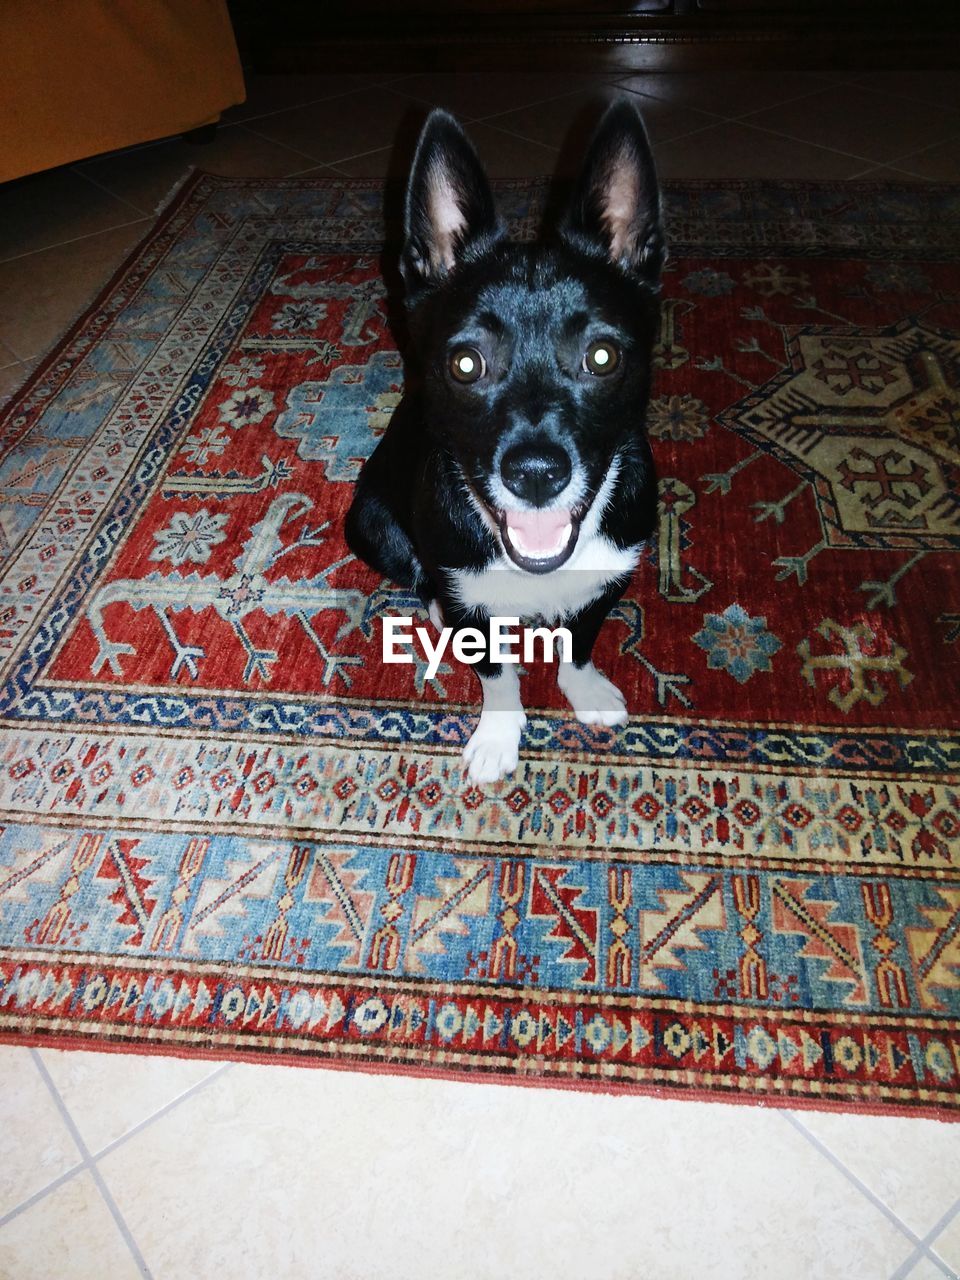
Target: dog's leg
x,y
594,698
493,749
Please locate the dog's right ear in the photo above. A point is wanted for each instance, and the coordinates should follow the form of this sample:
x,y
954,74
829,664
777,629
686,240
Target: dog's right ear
x,y
615,210
449,211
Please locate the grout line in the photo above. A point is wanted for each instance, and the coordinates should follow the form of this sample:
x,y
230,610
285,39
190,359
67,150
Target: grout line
x,y
778,102
111,1146
851,1177
312,102
37,1196
164,1110
81,173
293,150
320,171
522,137
712,117
820,146
91,1167
924,1250
89,235
922,151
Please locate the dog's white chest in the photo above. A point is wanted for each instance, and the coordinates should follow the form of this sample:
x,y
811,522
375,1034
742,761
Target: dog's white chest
x,y
504,590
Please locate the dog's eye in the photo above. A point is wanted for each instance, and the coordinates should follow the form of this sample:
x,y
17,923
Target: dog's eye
x,y
601,358
467,364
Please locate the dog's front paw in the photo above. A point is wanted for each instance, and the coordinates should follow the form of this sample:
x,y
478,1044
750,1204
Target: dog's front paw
x,y
594,698
494,748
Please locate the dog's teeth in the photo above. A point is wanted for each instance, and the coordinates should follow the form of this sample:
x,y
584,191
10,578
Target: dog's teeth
x,y
540,553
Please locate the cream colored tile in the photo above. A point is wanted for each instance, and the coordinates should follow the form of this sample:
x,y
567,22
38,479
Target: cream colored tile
x,y
912,1165
483,93
49,208
736,151
147,175
68,1235
726,93
937,88
269,93
341,127
108,1094
861,122
43,293
937,164
947,1244
12,378
35,1144
570,121
503,155
399,1177
506,156
926,1269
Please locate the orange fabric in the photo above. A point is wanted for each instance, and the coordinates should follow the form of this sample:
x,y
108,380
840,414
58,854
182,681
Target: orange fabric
x,y
78,77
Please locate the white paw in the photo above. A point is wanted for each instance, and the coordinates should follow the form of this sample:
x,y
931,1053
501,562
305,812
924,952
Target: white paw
x,y
435,614
494,748
594,698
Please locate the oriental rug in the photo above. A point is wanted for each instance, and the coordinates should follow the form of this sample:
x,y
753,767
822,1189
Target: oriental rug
x,y
228,829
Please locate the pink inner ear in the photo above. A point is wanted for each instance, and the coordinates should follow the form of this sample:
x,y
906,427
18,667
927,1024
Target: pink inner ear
x,y
447,219
620,206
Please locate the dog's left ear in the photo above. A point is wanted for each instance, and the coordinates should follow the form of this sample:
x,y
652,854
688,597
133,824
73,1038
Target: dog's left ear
x,y
615,211
449,211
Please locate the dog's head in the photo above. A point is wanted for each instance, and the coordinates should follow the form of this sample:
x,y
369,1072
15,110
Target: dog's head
x,y
535,358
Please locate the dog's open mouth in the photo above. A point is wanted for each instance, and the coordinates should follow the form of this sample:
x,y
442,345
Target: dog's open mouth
x,y
539,540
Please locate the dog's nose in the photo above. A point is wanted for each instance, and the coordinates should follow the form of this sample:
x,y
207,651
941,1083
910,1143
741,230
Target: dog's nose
x,y
535,472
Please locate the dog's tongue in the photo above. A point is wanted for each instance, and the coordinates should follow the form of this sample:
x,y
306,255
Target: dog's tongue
x,y
538,535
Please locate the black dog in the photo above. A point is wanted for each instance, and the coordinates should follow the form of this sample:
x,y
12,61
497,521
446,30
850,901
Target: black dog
x,y
516,478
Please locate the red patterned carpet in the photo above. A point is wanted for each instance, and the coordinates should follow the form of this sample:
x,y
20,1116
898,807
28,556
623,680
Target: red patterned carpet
x,y
228,829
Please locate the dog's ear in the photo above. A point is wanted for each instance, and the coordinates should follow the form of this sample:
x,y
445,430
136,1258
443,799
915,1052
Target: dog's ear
x,y
615,210
449,211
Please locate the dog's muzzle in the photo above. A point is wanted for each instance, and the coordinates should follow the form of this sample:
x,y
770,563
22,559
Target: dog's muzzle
x,y
540,537
539,540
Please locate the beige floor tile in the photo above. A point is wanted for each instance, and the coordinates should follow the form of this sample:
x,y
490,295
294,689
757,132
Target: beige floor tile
x,y
35,1144
399,1177
912,1165
507,156
503,155
48,208
43,293
937,88
925,1269
342,127
108,1094
147,175
860,122
480,94
569,122
68,1235
12,378
938,164
736,151
947,1244
387,163
269,93
888,173
728,94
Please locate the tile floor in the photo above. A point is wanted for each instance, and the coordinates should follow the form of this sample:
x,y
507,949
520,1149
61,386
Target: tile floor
x,y
116,1165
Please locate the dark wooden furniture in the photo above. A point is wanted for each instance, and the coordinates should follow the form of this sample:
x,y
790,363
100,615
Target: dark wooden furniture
x,y
300,35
